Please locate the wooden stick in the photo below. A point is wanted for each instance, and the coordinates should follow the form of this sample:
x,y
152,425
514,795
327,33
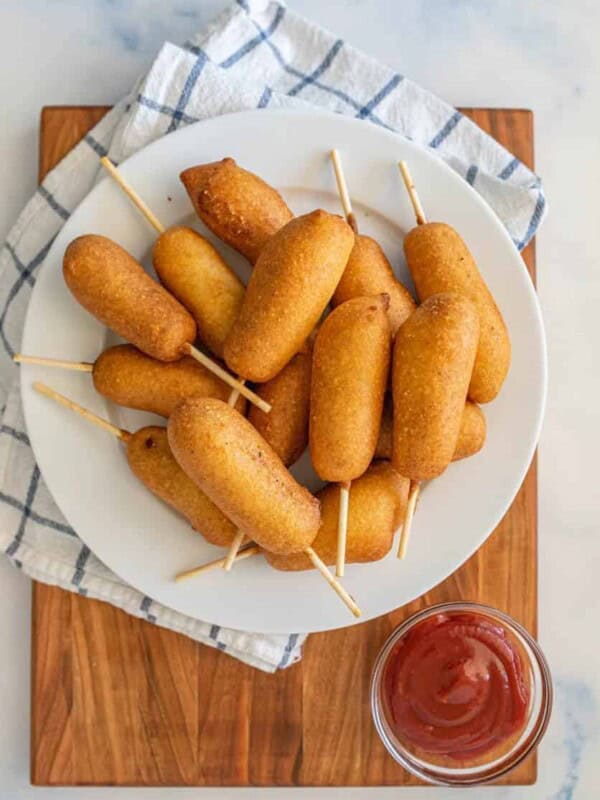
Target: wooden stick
x,y
412,193
78,366
234,397
132,194
84,412
413,496
233,551
227,378
249,551
343,190
342,529
345,485
335,584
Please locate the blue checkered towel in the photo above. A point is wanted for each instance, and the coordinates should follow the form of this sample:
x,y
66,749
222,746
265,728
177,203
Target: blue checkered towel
x,y
257,54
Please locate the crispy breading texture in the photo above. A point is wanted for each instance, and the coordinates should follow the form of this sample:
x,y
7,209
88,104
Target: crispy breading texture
x,y
130,378
237,206
351,364
434,352
285,428
114,287
230,461
439,261
368,272
151,460
290,286
471,436
194,272
377,507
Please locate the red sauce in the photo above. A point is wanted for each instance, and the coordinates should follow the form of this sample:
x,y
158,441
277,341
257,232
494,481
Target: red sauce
x,y
455,686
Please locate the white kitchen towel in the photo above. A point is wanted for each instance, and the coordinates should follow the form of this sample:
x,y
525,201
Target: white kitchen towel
x,y
256,55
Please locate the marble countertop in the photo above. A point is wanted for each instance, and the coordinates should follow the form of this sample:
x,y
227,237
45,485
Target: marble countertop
x,y
542,56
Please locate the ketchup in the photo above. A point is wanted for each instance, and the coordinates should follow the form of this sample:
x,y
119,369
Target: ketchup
x,y
455,686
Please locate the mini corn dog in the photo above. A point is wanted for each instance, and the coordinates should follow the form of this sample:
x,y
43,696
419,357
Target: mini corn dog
x,y
132,379
194,272
290,286
350,372
439,261
471,436
434,353
288,393
368,271
237,206
231,462
378,506
114,287
151,461
224,454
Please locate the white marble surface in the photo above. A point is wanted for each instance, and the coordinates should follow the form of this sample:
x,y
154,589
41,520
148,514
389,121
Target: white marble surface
x,y
536,55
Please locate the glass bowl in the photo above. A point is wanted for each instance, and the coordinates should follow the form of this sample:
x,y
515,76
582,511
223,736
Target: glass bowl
x,y
486,767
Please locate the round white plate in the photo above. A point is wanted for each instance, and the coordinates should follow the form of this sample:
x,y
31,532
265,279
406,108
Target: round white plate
x,y
141,539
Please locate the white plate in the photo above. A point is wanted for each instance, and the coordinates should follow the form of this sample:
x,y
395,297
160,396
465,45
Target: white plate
x,y
145,542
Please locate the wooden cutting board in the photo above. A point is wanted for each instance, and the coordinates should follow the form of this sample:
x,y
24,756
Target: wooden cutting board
x,y
118,701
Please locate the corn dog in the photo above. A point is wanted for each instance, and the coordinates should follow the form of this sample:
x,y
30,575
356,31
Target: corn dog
x,y
194,272
112,286
368,272
288,393
229,460
239,207
439,261
471,436
434,352
152,462
350,372
130,378
377,508
472,433
290,286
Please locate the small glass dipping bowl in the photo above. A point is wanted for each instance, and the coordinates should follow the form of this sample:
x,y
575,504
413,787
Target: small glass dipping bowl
x,y
482,768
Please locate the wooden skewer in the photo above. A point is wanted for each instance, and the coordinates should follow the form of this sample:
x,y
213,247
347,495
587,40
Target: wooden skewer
x,y
413,496
412,193
342,529
84,412
342,533
335,585
233,551
132,194
78,366
343,190
247,552
192,351
415,486
235,383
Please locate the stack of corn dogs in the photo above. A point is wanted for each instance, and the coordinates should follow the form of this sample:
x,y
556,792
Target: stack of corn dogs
x,y
384,390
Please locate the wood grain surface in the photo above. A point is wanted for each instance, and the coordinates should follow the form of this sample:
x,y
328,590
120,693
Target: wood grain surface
x,y
118,701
